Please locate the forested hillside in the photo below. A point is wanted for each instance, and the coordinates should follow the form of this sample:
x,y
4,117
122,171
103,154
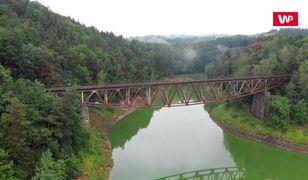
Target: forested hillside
x,y
40,131
36,43
284,53
35,122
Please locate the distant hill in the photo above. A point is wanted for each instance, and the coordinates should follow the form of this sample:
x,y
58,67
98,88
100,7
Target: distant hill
x,y
177,38
216,37
38,44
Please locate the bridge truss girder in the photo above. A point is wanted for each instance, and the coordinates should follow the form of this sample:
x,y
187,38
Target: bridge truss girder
x,y
229,173
178,93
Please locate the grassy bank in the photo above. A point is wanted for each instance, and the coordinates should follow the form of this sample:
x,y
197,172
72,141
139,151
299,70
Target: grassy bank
x,y
242,119
96,157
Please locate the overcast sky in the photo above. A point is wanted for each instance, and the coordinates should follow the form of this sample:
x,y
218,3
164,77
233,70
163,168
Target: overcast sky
x,y
165,17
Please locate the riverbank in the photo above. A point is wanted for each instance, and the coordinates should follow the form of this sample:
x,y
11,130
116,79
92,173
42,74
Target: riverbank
x,y
97,157
242,123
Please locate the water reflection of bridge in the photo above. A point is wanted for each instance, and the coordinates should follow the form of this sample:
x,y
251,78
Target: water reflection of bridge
x,y
229,173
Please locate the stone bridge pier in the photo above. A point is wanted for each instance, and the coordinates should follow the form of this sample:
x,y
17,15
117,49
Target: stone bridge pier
x,y
261,104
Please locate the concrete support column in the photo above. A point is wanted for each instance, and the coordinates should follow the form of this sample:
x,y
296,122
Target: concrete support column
x,y
85,114
260,104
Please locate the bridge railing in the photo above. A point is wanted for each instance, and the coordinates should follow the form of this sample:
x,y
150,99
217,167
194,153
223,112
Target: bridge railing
x,y
175,93
146,84
228,173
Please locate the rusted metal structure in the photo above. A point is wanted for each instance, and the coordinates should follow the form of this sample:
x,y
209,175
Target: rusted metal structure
x,y
229,173
175,93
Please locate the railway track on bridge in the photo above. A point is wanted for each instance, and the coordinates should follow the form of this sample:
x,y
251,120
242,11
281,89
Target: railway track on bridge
x,y
175,93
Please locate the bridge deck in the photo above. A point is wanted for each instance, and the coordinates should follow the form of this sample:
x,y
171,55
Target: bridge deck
x,y
152,84
175,93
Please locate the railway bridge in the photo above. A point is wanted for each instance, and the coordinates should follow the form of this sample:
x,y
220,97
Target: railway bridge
x,y
229,173
179,93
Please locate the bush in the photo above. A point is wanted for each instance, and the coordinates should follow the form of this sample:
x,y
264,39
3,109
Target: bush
x,y
280,112
301,112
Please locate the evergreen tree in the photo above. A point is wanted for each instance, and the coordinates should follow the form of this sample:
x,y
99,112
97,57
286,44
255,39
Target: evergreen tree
x,y
16,133
6,166
49,169
6,84
68,127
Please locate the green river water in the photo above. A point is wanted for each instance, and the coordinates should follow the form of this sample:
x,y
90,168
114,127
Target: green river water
x,y
154,143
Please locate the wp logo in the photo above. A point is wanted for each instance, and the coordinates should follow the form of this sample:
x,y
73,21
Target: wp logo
x,y
285,18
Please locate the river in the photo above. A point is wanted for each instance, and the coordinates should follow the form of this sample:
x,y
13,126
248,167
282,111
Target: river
x,y
154,143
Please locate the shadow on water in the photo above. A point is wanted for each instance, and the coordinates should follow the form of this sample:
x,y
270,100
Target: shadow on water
x,y
262,161
128,127
230,173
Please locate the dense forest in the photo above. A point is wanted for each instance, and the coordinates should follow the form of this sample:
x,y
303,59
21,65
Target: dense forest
x,y
37,44
280,54
42,134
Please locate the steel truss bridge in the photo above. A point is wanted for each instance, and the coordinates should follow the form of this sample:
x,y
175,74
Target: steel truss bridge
x,y
229,173
175,93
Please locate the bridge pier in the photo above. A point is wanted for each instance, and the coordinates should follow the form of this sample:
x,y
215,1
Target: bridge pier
x,y
260,104
85,114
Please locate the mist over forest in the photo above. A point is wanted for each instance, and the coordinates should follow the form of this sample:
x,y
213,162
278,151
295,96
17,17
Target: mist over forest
x,y
39,49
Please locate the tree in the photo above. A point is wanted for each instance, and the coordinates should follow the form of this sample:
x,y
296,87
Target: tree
x,y
82,74
298,87
210,69
303,79
2,9
6,84
101,77
6,166
301,112
41,106
242,64
49,168
47,73
67,126
16,134
280,112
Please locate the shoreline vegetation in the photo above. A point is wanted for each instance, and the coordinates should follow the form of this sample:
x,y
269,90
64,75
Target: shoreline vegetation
x,y
242,123
40,48
97,157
